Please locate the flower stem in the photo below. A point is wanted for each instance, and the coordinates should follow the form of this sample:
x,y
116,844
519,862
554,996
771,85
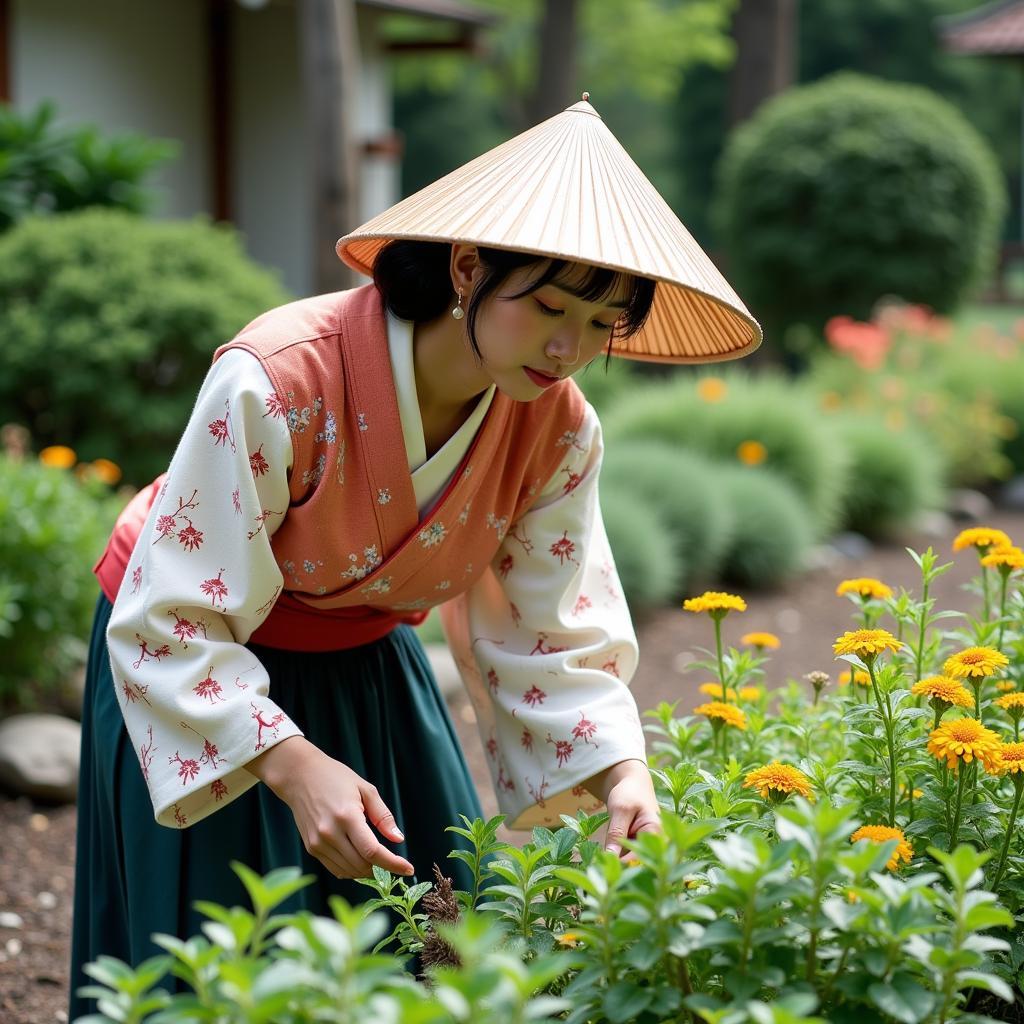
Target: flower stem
x,y
887,725
721,663
1002,607
1018,785
961,772
921,630
984,590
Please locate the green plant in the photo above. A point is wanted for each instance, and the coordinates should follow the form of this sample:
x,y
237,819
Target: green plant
x,y
127,309
772,530
758,418
683,488
838,193
46,170
897,475
54,529
648,560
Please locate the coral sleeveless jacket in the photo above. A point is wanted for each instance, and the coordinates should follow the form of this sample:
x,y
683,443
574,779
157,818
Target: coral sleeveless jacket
x,y
355,555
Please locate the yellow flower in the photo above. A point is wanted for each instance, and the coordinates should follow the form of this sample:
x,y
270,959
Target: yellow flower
x,y
750,692
722,714
762,640
1012,702
866,643
866,586
1008,557
569,939
942,688
1005,685
109,472
830,400
975,662
981,537
860,677
882,834
751,453
776,781
916,795
715,601
711,389
965,739
715,690
1011,758
59,456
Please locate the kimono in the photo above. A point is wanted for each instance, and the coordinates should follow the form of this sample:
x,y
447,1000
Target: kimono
x,y
298,530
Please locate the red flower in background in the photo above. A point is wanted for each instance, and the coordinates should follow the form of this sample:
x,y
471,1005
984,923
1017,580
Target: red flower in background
x,y
866,343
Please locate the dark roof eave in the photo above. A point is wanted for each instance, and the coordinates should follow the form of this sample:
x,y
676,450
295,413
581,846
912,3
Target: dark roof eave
x,y
442,10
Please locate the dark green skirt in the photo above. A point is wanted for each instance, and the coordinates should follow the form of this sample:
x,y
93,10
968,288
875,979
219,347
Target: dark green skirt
x,y
377,708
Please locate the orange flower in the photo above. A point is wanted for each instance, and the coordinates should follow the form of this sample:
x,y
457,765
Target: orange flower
x,y
860,677
882,834
720,714
1008,558
866,643
866,586
761,640
58,456
776,781
982,538
711,389
107,471
975,662
715,690
751,693
950,692
1011,758
966,740
751,453
715,602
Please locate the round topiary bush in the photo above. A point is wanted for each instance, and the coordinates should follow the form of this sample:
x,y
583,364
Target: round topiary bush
x,y
838,193
772,531
107,325
646,556
682,488
897,476
735,417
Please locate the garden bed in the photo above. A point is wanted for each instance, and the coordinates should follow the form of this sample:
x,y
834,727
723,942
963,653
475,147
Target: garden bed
x,y
806,615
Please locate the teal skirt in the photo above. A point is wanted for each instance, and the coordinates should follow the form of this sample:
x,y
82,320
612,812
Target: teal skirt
x,y
377,708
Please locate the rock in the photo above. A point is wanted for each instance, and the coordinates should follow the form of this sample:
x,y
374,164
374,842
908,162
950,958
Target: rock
x,y
39,756
821,556
46,900
967,505
936,525
9,919
1012,494
445,670
851,545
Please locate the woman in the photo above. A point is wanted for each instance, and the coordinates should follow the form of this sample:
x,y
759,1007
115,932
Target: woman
x,y
352,460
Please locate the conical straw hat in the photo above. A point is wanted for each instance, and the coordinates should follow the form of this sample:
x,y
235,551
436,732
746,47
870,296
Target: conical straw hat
x,y
567,189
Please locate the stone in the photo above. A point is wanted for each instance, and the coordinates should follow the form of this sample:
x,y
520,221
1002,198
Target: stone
x,y
39,756
934,525
967,505
445,670
1012,494
851,545
821,556
9,919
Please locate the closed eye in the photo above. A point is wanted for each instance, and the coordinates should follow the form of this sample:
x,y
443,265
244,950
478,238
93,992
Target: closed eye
x,y
551,311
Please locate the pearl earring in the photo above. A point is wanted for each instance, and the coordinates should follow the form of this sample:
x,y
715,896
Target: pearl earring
x,y
458,312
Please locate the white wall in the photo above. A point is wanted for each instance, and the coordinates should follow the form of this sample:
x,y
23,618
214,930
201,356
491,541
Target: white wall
x,y
125,65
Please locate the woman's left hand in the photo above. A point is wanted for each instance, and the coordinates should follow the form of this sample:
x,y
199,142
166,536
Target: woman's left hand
x,y
628,793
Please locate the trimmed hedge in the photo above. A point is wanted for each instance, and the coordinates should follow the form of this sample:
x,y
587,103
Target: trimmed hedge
x,y
838,193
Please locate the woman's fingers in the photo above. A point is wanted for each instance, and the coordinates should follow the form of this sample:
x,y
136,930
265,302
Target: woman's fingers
x,y
369,849
378,814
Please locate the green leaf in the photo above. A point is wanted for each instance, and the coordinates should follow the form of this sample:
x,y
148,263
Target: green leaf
x,y
978,979
903,999
625,1001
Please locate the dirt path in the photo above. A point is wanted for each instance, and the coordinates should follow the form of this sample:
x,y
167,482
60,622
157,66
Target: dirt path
x,y
36,862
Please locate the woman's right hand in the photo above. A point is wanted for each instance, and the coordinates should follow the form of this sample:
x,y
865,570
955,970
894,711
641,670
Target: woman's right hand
x,y
331,805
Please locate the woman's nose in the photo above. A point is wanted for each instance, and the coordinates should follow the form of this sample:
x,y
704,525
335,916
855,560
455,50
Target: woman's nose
x,y
565,346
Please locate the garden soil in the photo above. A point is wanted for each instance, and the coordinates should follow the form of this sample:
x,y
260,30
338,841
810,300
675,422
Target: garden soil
x,y
37,852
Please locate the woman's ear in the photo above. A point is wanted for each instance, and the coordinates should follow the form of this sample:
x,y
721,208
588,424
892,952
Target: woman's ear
x,y
465,266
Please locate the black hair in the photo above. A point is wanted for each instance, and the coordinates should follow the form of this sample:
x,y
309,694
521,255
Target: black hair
x,y
414,280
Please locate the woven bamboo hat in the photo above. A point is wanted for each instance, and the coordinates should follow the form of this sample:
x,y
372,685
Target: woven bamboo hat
x,y
567,189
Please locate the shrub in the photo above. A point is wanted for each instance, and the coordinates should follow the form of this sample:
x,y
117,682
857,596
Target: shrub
x,y
605,385
765,419
54,529
772,530
130,311
49,171
840,192
897,474
648,560
683,489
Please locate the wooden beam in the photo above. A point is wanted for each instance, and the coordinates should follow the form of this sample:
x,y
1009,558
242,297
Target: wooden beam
x,y
219,70
5,51
329,55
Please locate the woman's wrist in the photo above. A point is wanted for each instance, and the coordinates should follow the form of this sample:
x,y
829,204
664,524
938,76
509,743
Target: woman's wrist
x,y
278,764
602,782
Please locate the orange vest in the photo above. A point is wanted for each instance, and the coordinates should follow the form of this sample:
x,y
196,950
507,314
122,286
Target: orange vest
x,y
355,555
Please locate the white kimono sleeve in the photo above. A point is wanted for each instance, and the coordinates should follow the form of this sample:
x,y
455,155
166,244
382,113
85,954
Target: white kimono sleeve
x,y
201,579
546,648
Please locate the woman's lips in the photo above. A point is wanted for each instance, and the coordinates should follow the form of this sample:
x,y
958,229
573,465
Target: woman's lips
x,y
542,380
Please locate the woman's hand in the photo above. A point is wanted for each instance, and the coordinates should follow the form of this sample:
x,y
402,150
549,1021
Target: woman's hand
x,y
628,793
331,805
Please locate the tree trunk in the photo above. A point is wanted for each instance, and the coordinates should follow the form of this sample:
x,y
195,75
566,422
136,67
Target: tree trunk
x,y
330,55
556,78
765,34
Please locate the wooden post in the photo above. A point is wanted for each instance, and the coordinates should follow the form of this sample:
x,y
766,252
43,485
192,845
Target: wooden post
x,y
765,34
330,54
556,81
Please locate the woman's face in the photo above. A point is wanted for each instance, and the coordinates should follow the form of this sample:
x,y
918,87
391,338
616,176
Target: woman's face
x,y
530,343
